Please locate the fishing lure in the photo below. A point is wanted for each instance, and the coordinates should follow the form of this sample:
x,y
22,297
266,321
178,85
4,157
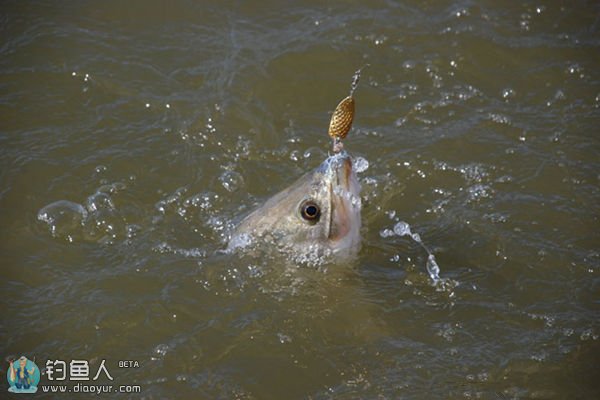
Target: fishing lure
x,y
343,116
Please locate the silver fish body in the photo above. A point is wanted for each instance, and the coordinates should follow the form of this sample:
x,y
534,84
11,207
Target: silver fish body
x,y
316,217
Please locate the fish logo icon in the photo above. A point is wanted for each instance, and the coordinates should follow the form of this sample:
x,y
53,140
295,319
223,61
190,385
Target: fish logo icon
x,y
23,376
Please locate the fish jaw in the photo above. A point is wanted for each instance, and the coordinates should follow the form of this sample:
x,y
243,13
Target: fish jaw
x,y
344,226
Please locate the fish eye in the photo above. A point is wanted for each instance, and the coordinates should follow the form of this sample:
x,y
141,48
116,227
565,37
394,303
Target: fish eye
x,y
310,211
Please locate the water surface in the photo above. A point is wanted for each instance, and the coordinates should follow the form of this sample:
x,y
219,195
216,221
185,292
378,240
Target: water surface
x,y
135,135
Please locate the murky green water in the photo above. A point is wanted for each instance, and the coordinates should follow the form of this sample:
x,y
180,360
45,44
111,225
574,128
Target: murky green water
x,y
157,126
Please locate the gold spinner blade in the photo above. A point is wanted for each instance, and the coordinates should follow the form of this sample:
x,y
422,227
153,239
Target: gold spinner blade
x,y
341,120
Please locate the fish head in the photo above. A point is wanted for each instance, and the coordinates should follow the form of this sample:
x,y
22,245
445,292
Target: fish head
x,y
320,212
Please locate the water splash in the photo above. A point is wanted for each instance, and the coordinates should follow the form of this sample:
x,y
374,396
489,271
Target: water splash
x,y
360,164
63,218
403,229
433,269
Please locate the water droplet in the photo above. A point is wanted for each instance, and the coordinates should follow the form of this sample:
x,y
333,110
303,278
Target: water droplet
x,y
574,69
588,334
360,164
402,229
161,350
508,93
408,64
355,201
284,338
400,121
380,40
463,12
500,119
559,95
295,155
240,241
132,230
99,201
386,233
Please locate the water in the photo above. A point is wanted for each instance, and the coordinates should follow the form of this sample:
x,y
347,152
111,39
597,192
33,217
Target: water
x,y
135,136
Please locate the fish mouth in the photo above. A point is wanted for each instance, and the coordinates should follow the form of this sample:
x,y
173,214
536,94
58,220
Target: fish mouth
x,y
344,201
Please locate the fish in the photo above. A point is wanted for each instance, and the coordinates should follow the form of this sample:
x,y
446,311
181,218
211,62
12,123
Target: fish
x,y
318,217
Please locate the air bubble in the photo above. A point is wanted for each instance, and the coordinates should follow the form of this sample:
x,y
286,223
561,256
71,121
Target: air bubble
x,y
63,217
385,233
99,201
231,180
402,229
